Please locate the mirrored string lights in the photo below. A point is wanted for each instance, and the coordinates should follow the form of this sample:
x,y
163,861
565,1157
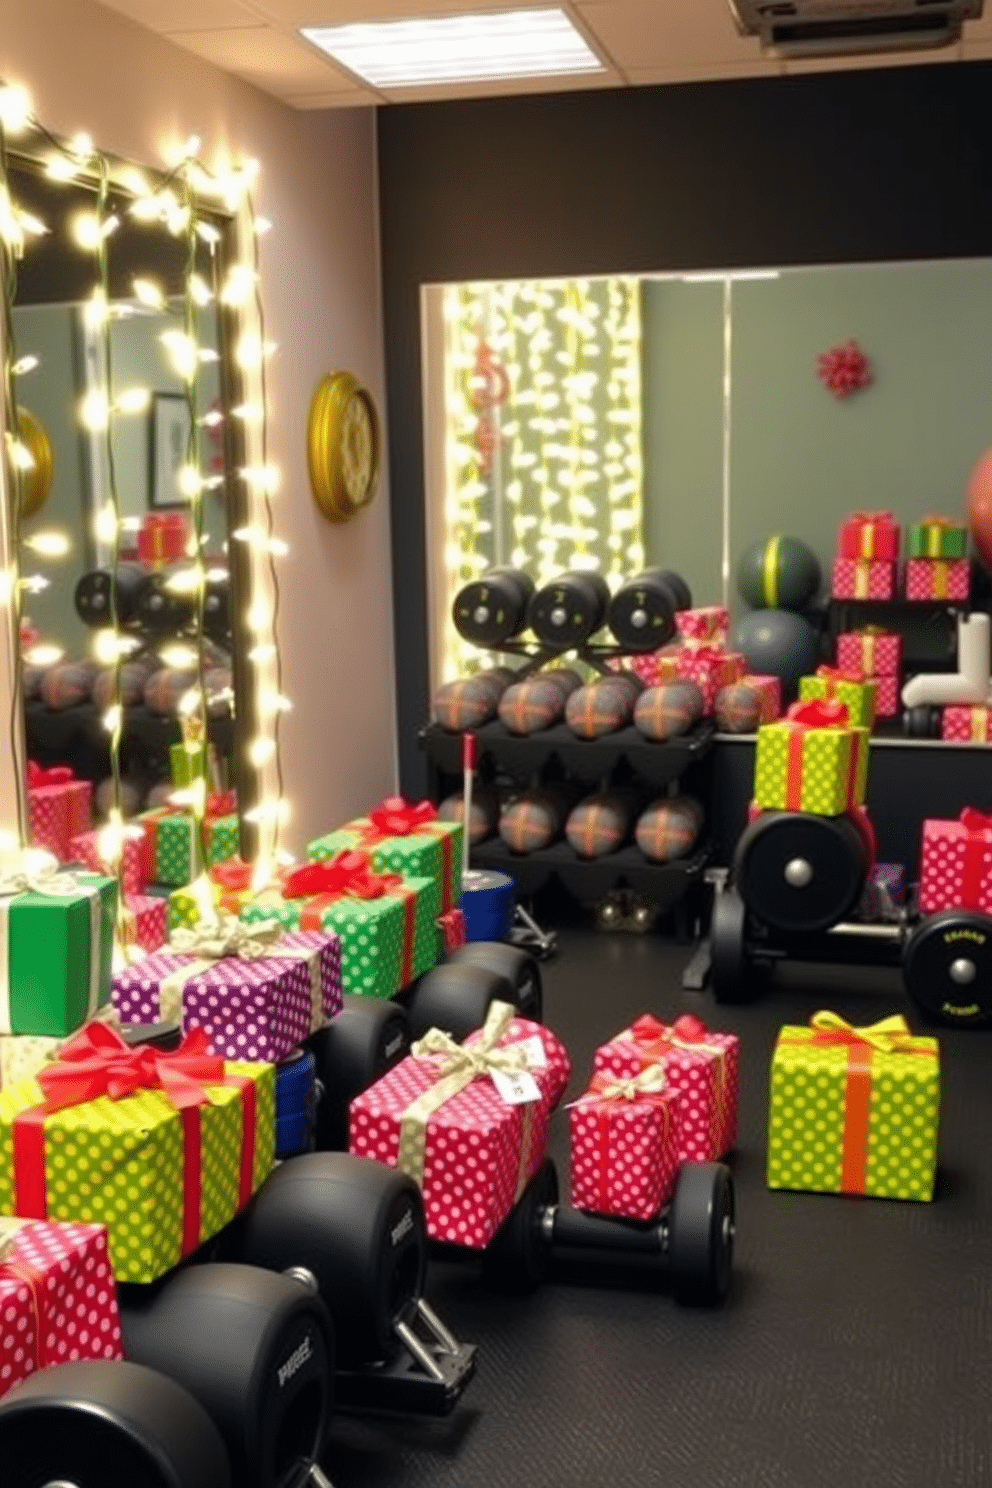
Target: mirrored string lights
x,y
543,463
187,199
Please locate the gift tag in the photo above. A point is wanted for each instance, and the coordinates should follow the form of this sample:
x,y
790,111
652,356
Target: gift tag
x,y
517,1087
533,1051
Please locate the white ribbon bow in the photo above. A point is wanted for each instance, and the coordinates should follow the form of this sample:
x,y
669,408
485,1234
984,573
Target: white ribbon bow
x,y
469,1059
35,871
650,1081
226,935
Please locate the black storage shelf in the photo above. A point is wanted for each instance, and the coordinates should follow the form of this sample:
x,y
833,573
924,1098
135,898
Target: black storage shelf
x,y
585,760
591,879
77,735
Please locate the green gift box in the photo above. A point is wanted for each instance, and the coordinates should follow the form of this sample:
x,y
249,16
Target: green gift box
x,y
403,839
186,764
386,941
161,1180
60,939
171,844
858,694
854,1110
801,765
937,537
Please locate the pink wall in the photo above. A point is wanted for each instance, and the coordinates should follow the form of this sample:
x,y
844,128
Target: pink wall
x,y
90,68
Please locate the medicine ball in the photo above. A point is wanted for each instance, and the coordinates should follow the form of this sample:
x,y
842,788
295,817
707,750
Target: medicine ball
x,y
536,818
564,677
67,684
600,708
484,813
165,687
600,824
666,711
778,573
531,706
569,610
669,828
134,675
468,702
778,643
737,708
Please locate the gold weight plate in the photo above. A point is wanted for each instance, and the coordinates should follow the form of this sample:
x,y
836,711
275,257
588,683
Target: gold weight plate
x,y
343,446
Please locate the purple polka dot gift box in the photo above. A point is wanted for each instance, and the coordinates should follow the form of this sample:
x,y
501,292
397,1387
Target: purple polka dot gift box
x,y
624,1136
255,1007
701,1070
471,1133
58,1302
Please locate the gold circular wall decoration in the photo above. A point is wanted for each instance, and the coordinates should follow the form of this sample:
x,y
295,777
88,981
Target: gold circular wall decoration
x,y
343,446
36,482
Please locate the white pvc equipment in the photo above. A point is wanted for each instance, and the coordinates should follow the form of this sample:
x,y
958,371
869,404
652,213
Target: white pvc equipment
x,y
969,684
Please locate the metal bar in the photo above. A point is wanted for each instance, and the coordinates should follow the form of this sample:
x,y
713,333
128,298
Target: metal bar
x,y
446,1339
319,1478
419,1351
867,932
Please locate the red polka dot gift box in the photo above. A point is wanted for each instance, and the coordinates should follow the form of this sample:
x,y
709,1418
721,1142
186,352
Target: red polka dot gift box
x,y
60,807
85,849
144,920
624,1137
701,1071
58,1302
956,863
467,1122
255,990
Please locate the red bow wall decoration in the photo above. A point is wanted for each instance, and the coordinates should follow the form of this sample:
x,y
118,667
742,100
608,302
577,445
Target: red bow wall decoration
x,y
844,369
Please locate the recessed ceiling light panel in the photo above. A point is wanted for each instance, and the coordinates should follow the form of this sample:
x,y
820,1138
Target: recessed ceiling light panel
x,y
458,48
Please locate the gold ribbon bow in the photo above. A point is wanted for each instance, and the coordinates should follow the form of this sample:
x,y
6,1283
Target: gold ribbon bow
x,y
213,939
651,1081
35,871
457,1065
888,1036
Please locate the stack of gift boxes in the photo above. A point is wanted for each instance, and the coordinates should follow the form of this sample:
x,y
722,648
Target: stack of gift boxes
x,y
700,655
872,654
816,758
866,565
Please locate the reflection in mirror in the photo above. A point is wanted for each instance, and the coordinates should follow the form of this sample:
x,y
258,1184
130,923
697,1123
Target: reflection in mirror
x,y
737,432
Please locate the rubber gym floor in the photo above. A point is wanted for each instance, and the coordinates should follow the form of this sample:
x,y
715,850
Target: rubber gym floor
x,y
855,1348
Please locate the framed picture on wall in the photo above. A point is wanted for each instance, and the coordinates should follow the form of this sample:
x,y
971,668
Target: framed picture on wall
x,y
169,434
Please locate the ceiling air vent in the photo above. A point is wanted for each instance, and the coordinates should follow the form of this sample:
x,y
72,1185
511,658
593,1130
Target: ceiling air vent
x,y
838,28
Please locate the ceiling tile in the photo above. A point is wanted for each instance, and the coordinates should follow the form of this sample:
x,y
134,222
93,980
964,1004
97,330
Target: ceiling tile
x,y
712,72
975,51
267,57
185,15
504,87
295,13
644,33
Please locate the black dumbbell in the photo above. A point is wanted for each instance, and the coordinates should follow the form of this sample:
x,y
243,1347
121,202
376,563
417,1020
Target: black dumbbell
x,y
689,1245
493,608
358,1228
107,1424
798,872
255,1349
456,996
642,612
947,968
93,593
921,722
356,1048
569,610
517,965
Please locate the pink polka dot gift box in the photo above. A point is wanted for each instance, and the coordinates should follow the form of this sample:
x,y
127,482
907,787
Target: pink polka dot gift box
x,y
467,1122
956,863
255,999
701,1071
58,1302
624,1145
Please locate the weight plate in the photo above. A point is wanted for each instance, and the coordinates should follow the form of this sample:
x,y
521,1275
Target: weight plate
x,y
492,608
921,722
569,610
641,613
517,965
293,1133
947,968
518,1256
701,1234
800,873
729,969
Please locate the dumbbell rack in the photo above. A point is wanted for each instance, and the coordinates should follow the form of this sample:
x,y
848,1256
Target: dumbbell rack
x,y
557,749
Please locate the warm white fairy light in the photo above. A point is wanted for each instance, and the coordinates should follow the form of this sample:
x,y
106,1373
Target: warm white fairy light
x,y
183,658
43,655
24,365
20,456
94,411
49,544
113,718
15,108
148,292
133,400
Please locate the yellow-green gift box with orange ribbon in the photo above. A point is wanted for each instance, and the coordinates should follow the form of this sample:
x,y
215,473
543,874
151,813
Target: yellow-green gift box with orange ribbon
x,y
835,685
811,760
162,1147
404,839
854,1110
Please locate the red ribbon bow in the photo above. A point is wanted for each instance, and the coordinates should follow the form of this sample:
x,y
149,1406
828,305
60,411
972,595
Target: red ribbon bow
x,y
345,873
647,1029
873,517
393,817
231,873
98,1062
974,820
222,803
836,674
818,713
56,775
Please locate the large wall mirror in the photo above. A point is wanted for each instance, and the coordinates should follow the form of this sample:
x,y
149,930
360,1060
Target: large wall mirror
x,y
676,419
133,371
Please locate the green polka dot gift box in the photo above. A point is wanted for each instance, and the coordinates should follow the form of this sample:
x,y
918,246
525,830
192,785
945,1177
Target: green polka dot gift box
x,y
858,694
811,761
171,850
87,1140
56,944
403,839
386,924
854,1110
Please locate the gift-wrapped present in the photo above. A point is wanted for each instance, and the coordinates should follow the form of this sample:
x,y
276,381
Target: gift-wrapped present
x,y
58,1302
60,807
57,934
170,843
884,896
624,1145
86,849
869,535
770,689
888,701
956,863
710,667
386,923
937,537
937,578
467,1122
255,990
856,693
227,887
701,1070
144,921
162,537
964,725
187,763
870,652
862,578
24,1054
705,625
409,840
854,1110
811,760
161,1147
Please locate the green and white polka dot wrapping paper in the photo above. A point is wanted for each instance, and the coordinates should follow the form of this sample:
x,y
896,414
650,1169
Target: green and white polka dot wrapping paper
x,y
120,1163
823,1137
821,784
421,854
172,848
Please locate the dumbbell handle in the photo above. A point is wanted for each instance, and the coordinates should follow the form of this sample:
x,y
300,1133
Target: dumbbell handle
x,y
568,1231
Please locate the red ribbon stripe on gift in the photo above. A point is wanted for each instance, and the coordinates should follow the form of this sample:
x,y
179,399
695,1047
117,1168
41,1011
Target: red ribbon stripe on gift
x,y
978,843
394,817
349,873
98,1062
812,713
653,1040
606,1093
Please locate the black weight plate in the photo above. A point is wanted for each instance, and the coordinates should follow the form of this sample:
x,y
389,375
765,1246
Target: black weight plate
x,y
569,610
352,1051
729,967
492,608
641,613
798,872
947,968
921,722
701,1234
456,996
516,964
518,1256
